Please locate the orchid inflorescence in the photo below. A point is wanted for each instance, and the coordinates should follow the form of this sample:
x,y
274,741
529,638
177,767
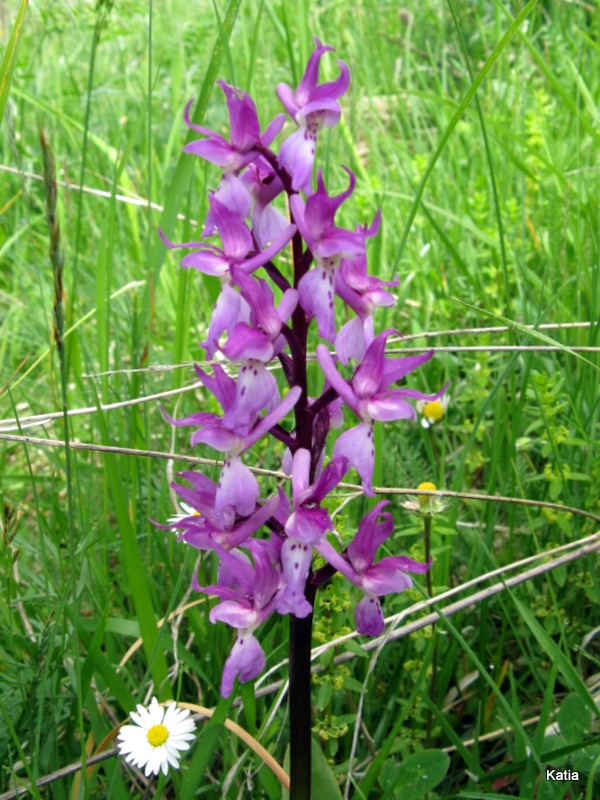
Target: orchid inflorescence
x,y
260,576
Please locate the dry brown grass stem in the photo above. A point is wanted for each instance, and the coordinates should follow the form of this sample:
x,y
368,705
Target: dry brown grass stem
x,y
547,326
384,490
493,348
134,200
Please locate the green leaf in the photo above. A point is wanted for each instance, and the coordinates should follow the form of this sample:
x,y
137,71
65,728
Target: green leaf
x,y
324,783
420,773
9,59
574,718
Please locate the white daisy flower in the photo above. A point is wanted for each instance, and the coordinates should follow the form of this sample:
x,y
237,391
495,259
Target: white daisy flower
x,y
432,411
156,739
176,518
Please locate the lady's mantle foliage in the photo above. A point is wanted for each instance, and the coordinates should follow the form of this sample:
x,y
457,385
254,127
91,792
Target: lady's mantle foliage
x,y
252,330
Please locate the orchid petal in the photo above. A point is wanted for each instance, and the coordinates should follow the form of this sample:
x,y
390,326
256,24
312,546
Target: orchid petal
x,y
275,416
273,129
397,368
390,575
300,474
284,238
267,577
231,192
308,524
334,378
370,536
234,233
308,83
367,379
315,293
321,208
350,341
267,224
237,487
226,315
296,559
246,660
222,386
328,480
207,262
256,390
390,405
245,342
369,616
330,554
221,154
232,613
243,118
297,157
216,436
357,446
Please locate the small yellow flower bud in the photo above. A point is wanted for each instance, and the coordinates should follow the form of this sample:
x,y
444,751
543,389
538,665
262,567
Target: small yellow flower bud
x,y
424,499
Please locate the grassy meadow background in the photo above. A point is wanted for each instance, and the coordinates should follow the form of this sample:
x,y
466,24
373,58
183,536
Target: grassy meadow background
x,y
489,213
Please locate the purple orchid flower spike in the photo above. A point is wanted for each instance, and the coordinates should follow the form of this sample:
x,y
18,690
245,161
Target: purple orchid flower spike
x,y
370,398
248,596
386,577
244,131
327,243
305,526
206,527
237,486
312,107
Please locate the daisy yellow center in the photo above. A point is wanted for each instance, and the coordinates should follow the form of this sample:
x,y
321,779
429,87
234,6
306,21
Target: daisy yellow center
x,y
425,500
157,735
433,410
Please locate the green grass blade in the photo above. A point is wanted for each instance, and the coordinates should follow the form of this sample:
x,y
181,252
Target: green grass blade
x,y
517,326
135,568
495,54
556,655
9,58
183,170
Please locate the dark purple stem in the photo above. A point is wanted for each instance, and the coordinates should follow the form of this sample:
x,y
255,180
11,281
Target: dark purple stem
x,y
280,433
276,276
322,402
299,703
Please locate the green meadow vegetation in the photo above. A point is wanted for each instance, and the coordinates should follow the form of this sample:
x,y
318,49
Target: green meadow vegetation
x,y
475,127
